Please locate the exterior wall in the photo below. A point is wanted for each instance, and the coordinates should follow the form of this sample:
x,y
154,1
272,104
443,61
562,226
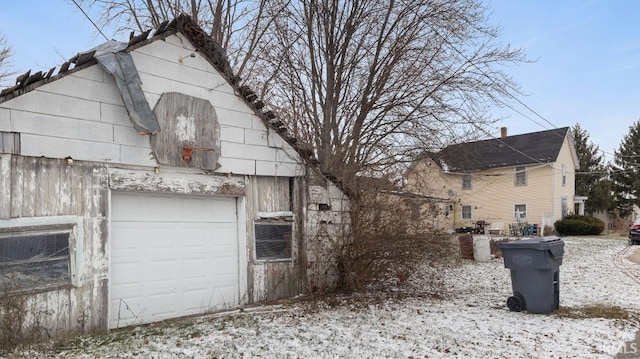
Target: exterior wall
x,y
82,115
493,193
36,187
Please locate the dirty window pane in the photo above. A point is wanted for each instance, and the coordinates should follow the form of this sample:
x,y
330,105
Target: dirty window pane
x,y
32,259
466,212
521,176
466,181
273,241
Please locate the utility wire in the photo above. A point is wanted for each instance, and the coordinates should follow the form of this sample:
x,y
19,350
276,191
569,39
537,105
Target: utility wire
x,y
88,18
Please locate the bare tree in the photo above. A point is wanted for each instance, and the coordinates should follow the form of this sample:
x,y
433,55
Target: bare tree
x,y
5,66
238,26
367,83
364,84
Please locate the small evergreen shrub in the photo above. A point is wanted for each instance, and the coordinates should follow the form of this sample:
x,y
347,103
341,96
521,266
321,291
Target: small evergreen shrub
x,y
579,225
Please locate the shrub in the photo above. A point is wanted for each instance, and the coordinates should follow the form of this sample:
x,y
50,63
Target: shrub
x,y
579,225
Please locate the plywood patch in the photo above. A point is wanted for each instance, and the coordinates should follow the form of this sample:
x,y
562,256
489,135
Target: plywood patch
x,y
189,132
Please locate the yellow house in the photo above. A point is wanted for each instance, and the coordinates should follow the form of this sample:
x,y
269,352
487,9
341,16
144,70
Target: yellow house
x,y
504,182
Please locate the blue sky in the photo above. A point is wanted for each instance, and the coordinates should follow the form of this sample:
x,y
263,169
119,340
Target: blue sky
x,y
586,69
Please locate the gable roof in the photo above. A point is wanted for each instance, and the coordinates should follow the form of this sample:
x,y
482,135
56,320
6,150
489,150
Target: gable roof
x,y
203,43
519,150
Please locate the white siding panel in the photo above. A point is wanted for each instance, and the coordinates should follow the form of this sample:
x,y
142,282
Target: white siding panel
x,y
227,100
114,114
288,155
238,166
216,82
141,156
5,119
232,134
249,152
255,137
171,69
95,73
36,145
126,135
40,124
57,105
264,168
234,118
159,85
84,89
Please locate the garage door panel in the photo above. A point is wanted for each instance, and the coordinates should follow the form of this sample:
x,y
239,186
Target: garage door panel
x,y
172,256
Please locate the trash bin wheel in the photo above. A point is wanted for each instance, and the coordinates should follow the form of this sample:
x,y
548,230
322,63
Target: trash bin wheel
x,y
515,304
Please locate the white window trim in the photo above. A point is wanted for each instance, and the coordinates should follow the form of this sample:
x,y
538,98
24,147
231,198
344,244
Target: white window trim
x,y
71,223
564,175
462,212
470,181
516,173
526,210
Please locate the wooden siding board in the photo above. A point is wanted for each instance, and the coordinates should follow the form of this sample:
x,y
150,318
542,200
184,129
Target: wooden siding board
x,y
6,176
174,182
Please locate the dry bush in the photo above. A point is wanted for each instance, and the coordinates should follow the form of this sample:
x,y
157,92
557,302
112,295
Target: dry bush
x,y
388,241
21,321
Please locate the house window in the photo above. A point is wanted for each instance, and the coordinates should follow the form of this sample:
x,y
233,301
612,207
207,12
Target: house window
x,y
466,212
521,176
466,181
564,175
40,252
273,240
520,212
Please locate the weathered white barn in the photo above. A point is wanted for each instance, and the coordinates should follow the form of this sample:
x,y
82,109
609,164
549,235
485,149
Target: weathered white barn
x,y
142,182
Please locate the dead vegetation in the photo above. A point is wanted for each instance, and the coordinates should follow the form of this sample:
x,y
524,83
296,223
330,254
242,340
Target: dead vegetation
x,y
385,242
597,311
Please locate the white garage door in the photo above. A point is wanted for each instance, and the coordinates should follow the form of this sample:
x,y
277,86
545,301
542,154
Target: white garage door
x,y
171,256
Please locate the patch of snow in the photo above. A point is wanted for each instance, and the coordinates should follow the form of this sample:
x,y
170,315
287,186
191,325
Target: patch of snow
x,y
473,322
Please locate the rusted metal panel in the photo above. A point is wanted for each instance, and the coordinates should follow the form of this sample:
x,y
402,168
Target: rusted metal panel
x,y
190,132
173,182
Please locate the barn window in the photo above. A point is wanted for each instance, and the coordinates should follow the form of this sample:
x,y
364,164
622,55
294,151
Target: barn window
x,y
466,181
274,240
39,252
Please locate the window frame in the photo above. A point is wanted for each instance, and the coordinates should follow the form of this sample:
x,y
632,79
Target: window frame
x,y
50,225
520,172
462,212
564,175
523,214
272,220
467,181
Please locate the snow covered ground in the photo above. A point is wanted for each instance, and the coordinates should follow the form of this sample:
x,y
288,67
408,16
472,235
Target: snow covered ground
x,y
472,322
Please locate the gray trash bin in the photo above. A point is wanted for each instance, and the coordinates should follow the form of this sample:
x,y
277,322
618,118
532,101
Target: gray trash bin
x,y
535,273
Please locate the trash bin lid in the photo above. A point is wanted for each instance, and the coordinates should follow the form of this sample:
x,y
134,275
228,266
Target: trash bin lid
x,y
551,243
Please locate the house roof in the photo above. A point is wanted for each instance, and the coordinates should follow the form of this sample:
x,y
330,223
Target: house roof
x,y
203,43
525,149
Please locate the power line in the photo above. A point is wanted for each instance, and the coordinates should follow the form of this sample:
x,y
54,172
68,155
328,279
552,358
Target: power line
x,y
88,18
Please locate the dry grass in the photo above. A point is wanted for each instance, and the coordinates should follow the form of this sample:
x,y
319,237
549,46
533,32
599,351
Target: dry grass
x,y
597,311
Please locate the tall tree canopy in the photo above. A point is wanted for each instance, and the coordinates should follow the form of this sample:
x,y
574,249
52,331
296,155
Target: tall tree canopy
x,y
365,84
592,177
625,171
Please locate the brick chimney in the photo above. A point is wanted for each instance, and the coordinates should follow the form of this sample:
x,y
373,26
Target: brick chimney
x,y
503,132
